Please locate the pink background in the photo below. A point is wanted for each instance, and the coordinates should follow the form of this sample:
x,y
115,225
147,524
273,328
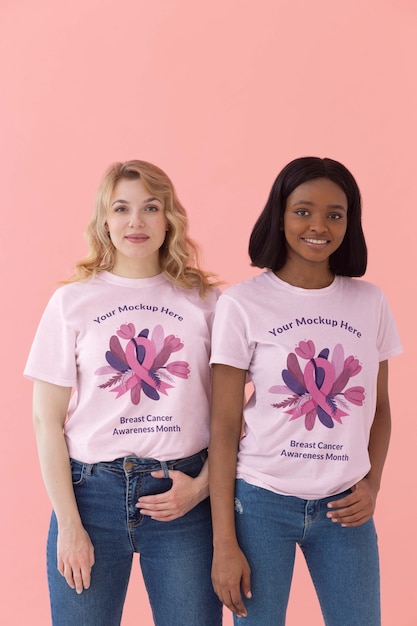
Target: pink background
x,y
221,95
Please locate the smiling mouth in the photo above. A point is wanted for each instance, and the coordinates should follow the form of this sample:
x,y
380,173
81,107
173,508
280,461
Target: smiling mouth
x,y
316,242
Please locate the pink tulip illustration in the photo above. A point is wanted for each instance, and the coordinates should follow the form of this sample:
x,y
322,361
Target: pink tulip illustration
x,y
355,395
179,368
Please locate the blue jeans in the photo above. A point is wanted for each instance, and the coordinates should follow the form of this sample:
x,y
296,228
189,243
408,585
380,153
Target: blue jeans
x,y
343,562
175,556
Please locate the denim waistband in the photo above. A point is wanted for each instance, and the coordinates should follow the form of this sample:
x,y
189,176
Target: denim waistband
x,y
143,464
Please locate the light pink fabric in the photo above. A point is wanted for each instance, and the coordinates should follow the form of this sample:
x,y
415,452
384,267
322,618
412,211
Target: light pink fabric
x,y
136,352
313,357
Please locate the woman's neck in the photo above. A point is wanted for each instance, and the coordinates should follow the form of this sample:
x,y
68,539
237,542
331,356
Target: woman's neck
x,y
136,268
305,278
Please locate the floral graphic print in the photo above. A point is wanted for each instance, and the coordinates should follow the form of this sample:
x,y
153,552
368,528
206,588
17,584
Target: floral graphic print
x,y
142,366
319,390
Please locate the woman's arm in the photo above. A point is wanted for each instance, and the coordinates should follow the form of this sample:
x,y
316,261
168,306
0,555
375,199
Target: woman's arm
x,y
75,553
359,506
231,571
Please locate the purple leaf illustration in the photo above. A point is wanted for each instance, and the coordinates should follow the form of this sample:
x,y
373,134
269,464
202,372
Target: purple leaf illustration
x,y
292,383
116,363
294,368
116,349
140,353
149,391
319,374
324,418
162,357
341,382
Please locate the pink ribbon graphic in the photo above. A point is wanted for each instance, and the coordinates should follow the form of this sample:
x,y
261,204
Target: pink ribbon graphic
x,y
317,396
141,370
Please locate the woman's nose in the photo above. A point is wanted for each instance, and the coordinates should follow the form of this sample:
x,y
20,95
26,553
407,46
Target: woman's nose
x,y
136,220
318,224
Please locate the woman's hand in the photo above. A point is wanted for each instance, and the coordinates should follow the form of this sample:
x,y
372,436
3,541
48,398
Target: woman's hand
x,y
231,578
75,554
186,492
356,508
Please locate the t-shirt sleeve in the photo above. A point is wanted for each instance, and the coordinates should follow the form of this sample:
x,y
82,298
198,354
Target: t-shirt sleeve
x,y
230,341
388,340
214,296
52,357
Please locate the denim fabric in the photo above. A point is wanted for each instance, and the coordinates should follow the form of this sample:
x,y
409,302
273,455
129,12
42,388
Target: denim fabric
x,y
343,562
175,556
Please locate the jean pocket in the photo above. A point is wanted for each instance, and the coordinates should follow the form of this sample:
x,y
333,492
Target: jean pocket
x,y
158,485
77,472
192,465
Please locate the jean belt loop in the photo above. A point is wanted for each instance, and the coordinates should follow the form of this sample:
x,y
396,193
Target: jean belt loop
x,y
88,467
164,468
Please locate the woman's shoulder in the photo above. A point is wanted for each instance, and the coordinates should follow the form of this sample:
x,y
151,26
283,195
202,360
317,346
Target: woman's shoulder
x,y
250,287
71,295
359,285
64,289
205,301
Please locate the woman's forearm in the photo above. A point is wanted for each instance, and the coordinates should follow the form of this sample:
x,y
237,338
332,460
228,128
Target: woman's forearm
x,y
226,423
381,429
50,404
75,552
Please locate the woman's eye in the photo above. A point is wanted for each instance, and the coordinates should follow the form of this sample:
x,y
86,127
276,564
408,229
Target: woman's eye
x,y
302,212
120,209
152,208
335,216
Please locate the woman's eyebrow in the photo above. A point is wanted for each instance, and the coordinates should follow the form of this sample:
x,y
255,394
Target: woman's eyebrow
x,y
329,206
155,199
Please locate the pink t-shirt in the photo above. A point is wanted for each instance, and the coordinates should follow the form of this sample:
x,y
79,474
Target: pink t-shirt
x,y
313,357
136,352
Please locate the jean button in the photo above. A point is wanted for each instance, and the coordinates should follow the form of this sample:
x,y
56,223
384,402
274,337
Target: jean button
x,y
129,465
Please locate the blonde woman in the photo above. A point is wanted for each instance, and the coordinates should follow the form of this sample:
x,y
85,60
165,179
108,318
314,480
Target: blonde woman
x,y
121,404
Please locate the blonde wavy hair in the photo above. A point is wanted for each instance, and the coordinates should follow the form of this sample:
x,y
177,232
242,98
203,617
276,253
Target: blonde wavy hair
x,y
178,256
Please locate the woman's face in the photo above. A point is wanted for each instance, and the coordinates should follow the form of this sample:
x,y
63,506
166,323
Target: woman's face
x,y
137,227
315,222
